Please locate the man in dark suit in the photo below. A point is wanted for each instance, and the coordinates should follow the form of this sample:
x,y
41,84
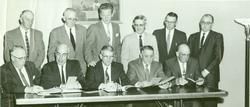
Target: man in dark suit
x,y
71,34
103,33
185,69
19,75
105,71
169,37
27,37
208,47
56,73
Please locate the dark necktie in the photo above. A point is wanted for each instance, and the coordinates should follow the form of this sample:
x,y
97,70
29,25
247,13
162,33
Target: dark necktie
x,y
23,78
106,76
27,44
140,42
72,39
63,79
202,40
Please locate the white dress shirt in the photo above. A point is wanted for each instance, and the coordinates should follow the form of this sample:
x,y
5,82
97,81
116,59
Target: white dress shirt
x,y
146,67
23,35
171,36
183,68
73,31
206,33
64,71
108,70
23,70
109,31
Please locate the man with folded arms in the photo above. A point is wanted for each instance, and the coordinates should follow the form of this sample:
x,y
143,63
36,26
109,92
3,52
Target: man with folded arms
x,y
185,69
56,73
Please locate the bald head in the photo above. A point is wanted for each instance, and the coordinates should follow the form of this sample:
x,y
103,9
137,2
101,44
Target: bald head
x,y
26,19
61,54
183,53
18,56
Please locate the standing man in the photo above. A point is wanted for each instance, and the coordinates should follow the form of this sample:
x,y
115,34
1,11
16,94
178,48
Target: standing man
x,y
25,36
56,73
133,43
208,47
20,75
71,34
169,37
103,33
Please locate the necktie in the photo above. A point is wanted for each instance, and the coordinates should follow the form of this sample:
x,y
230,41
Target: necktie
x,y
183,69
147,71
108,33
168,41
202,40
23,78
63,79
106,76
72,39
27,44
140,42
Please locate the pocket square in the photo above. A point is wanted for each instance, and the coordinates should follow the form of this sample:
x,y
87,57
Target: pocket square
x,y
117,35
33,77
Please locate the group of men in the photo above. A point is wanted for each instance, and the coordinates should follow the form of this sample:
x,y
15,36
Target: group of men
x,y
96,56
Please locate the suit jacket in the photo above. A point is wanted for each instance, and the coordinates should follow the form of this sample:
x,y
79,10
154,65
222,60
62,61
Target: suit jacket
x,y
95,75
173,68
178,37
210,55
131,49
36,51
59,36
50,76
136,71
97,38
11,82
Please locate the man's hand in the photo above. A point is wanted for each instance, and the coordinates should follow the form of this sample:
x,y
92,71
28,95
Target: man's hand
x,y
205,72
144,84
181,81
92,63
74,85
200,81
33,89
166,85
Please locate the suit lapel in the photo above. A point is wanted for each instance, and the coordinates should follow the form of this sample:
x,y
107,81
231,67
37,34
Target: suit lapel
x,y
177,68
208,38
152,70
103,32
57,72
114,29
189,72
29,72
32,38
14,72
68,71
19,38
141,69
113,72
100,70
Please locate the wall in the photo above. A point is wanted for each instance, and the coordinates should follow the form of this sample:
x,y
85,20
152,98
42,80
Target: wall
x,y
49,12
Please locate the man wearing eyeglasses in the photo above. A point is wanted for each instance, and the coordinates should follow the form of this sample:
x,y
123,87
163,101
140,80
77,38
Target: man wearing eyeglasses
x,y
58,72
132,43
208,47
20,75
169,37
27,37
71,34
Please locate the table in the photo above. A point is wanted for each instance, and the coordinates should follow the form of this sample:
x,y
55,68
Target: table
x,y
151,93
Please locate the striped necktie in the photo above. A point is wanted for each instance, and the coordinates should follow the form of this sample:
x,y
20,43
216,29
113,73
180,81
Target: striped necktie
x,y
27,44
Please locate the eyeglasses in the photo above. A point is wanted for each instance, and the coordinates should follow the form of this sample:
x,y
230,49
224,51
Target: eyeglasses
x,y
73,19
170,22
62,54
139,25
206,23
105,56
20,58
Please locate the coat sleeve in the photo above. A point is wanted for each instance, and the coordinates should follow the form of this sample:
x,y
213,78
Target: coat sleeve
x,y
41,51
91,51
132,74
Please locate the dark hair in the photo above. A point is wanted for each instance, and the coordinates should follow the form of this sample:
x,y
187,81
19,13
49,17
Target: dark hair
x,y
147,47
107,47
182,43
172,14
24,11
105,6
140,17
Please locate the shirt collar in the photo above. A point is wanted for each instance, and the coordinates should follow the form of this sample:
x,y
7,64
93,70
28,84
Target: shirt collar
x,y
105,66
23,30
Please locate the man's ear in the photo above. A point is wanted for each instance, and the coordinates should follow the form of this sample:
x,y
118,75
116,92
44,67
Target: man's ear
x,y
100,55
177,54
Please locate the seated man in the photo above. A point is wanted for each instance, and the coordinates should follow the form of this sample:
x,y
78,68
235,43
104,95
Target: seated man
x,y
184,68
19,75
144,72
56,73
186,71
106,71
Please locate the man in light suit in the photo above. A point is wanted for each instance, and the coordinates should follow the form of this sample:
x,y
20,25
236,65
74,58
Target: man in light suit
x,y
132,43
27,37
169,37
71,34
103,33
186,71
56,73
208,47
19,75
